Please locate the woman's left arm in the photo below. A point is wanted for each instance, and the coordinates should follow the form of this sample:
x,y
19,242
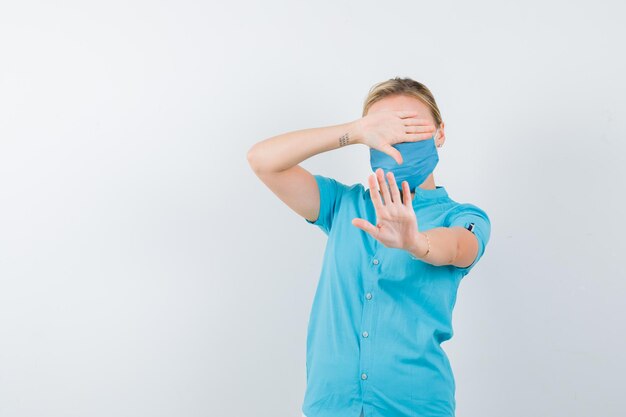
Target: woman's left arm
x,y
397,227
445,246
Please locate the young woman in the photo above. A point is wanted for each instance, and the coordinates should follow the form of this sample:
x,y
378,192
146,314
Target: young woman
x,y
394,258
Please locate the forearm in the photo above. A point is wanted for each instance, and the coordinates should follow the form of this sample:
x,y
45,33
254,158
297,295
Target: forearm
x,y
443,246
289,149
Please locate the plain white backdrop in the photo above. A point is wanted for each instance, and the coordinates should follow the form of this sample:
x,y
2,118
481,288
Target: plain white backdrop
x,y
146,271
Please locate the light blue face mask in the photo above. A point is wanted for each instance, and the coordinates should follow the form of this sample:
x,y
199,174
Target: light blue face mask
x,y
419,159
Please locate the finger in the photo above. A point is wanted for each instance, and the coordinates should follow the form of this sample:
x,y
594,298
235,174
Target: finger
x,y
374,195
406,193
416,121
365,225
393,152
420,129
395,192
414,137
407,113
383,186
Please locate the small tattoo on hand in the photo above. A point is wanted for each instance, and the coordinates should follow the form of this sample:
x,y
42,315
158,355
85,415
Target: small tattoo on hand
x,y
343,141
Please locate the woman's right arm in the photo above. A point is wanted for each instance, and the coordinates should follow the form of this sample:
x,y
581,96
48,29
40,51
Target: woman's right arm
x,y
275,161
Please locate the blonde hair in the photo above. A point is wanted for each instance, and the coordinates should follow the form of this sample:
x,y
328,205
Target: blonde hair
x,y
403,86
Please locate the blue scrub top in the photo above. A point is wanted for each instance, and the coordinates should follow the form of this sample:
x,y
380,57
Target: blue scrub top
x,y
379,314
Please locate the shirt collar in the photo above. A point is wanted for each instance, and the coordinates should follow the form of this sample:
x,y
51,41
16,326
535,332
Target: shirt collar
x,y
438,192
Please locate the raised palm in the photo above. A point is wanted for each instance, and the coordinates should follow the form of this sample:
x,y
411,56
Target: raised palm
x,y
396,223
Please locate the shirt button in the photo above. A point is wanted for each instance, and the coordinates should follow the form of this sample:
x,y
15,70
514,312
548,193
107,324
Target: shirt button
x,y
368,295
363,376
375,261
365,334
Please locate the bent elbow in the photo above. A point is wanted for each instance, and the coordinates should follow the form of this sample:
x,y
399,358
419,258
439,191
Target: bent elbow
x,y
252,158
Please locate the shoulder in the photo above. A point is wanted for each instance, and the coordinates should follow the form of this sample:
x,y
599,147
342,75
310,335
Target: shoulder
x,y
465,209
472,217
334,195
334,187
455,209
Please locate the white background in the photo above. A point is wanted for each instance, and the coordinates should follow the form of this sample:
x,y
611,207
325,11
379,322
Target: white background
x,y
146,271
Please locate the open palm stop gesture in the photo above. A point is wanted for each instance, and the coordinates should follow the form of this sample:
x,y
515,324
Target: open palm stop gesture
x,y
396,223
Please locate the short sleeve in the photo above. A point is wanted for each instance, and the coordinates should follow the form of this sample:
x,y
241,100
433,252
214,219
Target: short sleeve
x,y
330,191
474,218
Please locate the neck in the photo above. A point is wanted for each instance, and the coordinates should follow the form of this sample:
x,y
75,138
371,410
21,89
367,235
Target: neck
x,y
428,184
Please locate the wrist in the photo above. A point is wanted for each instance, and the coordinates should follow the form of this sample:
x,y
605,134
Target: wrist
x,y
420,247
354,130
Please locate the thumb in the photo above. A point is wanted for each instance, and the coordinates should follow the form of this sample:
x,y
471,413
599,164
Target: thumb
x,y
365,225
392,152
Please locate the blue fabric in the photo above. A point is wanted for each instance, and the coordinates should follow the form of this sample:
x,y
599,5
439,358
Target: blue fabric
x,y
379,315
419,159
